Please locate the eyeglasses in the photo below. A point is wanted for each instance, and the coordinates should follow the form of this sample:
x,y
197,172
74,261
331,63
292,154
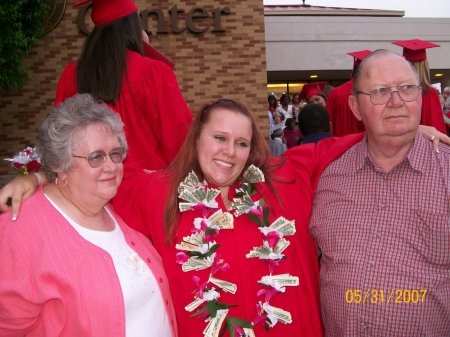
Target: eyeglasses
x,y
380,96
98,158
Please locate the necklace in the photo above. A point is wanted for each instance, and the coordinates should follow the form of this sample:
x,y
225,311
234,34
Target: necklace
x,y
200,251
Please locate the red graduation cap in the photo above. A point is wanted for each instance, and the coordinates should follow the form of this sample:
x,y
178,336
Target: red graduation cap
x,y
358,56
104,11
311,89
153,53
415,50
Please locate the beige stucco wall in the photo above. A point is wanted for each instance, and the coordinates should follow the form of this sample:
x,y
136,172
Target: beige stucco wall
x,y
321,42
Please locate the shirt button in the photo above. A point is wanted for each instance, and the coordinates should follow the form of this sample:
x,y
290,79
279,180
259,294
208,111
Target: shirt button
x,y
378,234
372,263
385,177
382,205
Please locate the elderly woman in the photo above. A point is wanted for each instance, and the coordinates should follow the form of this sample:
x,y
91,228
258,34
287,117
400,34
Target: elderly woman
x,y
69,266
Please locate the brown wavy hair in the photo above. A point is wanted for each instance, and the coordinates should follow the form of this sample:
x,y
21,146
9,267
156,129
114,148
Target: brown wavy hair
x,y
187,159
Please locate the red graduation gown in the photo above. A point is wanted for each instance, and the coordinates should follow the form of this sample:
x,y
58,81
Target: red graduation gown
x,y
341,116
432,110
152,108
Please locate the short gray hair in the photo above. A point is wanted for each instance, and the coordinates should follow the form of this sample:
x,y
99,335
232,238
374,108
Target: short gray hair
x,y
362,67
55,140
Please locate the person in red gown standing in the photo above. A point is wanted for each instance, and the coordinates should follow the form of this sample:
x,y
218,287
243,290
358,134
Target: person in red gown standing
x,y
142,90
341,116
415,52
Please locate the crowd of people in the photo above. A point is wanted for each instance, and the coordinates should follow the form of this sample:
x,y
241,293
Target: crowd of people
x,y
342,119
210,234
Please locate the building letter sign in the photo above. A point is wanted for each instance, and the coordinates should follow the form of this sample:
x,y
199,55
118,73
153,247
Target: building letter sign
x,y
194,20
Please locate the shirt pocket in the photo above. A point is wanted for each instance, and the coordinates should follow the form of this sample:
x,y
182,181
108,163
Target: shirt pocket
x,y
434,233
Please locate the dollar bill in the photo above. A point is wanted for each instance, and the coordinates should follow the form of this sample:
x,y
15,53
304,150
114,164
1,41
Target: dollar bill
x,y
224,285
278,314
284,280
242,205
214,325
190,182
253,175
195,238
259,252
282,315
194,305
187,247
281,246
283,226
196,264
223,220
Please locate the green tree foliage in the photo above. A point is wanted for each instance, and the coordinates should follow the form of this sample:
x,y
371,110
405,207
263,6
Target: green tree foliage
x,y
20,27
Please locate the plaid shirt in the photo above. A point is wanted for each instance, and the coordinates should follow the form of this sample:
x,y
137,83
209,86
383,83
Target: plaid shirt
x,y
385,244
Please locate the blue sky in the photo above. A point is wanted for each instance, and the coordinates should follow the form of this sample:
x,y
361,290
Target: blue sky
x,y
412,8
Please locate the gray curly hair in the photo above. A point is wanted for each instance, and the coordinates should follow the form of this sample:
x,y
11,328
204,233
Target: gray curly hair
x,y
55,140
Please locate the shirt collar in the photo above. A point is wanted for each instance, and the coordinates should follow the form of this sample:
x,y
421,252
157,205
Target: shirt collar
x,y
418,155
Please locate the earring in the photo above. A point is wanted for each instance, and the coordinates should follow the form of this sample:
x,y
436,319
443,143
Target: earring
x,y
57,180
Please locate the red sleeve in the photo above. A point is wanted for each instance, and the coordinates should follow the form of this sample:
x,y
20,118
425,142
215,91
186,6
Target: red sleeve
x,y
140,201
67,84
174,117
314,158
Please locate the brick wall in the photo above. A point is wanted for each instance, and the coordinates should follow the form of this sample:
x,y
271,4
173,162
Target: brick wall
x,y
209,65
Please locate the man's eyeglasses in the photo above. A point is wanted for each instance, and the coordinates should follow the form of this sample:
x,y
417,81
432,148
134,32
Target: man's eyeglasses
x,y
380,96
98,158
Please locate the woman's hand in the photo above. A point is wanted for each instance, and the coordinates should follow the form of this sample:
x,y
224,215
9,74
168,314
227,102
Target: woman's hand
x,y
16,191
434,135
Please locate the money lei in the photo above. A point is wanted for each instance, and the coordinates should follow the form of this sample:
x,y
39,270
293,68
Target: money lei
x,y
199,251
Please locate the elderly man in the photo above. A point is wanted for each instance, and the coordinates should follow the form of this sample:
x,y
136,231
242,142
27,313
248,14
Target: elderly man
x,y
381,215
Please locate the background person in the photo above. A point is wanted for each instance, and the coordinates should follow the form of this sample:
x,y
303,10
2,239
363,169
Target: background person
x,y
415,51
291,133
143,91
314,123
277,142
381,215
297,105
341,116
314,93
285,108
69,266
273,104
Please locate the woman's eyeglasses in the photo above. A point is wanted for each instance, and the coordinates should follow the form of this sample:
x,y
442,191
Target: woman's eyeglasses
x,y
98,158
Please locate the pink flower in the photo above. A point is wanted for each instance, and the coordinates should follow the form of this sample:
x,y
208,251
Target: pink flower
x,y
261,314
272,265
212,236
272,238
239,330
258,211
199,287
267,292
199,225
219,264
181,257
199,207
